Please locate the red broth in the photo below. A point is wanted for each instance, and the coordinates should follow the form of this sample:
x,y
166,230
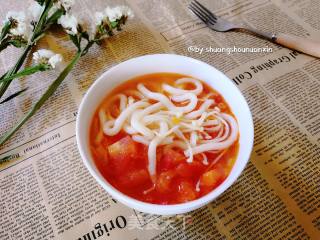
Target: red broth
x,y
124,162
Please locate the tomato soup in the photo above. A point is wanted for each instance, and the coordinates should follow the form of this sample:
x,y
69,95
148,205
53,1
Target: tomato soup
x,y
164,138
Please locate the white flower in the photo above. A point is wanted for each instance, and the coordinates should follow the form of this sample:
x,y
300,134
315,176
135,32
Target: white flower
x,y
99,17
18,25
35,10
44,56
67,4
19,30
69,23
126,11
54,60
113,13
15,16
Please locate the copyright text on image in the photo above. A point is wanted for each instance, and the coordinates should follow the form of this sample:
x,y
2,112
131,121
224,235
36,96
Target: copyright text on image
x,y
229,50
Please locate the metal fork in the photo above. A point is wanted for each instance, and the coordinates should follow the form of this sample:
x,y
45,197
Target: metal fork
x,y
308,46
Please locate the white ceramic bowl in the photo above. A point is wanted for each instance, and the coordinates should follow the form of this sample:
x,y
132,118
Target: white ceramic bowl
x,y
175,64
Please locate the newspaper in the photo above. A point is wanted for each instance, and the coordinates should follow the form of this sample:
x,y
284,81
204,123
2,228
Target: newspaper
x,y
47,193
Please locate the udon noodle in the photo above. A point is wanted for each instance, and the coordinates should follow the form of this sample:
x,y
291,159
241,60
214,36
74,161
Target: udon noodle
x,y
170,117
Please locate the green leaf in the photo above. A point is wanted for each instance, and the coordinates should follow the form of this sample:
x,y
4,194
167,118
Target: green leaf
x,y
54,17
16,94
114,24
4,85
75,40
42,20
41,2
27,71
18,43
50,91
5,30
3,45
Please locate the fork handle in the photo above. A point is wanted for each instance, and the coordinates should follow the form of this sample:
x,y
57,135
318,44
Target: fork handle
x,y
308,46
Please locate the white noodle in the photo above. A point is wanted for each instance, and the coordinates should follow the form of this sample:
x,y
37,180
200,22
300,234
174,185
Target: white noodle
x,y
166,102
123,100
193,139
154,119
140,139
152,155
189,148
190,97
130,100
205,159
138,125
176,144
204,107
128,129
212,145
156,96
198,186
134,93
102,117
115,129
177,91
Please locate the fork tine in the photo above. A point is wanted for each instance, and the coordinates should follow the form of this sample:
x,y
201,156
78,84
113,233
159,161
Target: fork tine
x,y
198,14
205,17
205,14
206,10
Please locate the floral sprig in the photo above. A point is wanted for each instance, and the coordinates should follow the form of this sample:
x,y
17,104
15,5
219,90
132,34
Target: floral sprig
x,y
47,58
44,60
15,31
107,22
42,15
110,19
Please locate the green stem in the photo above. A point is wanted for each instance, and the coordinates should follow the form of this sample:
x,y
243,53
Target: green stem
x,y
12,96
3,45
52,88
86,49
37,32
5,30
40,24
4,85
26,71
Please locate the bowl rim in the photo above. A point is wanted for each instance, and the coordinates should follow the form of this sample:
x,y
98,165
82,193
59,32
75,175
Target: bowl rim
x,y
150,207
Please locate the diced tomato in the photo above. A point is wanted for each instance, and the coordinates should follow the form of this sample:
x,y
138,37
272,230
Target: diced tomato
x,y
186,192
218,98
222,106
100,154
212,178
135,178
122,154
170,159
164,181
190,170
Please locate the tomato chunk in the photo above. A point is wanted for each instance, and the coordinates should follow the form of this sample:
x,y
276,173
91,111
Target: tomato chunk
x,y
212,178
189,170
122,154
164,181
186,192
135,178
171,158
